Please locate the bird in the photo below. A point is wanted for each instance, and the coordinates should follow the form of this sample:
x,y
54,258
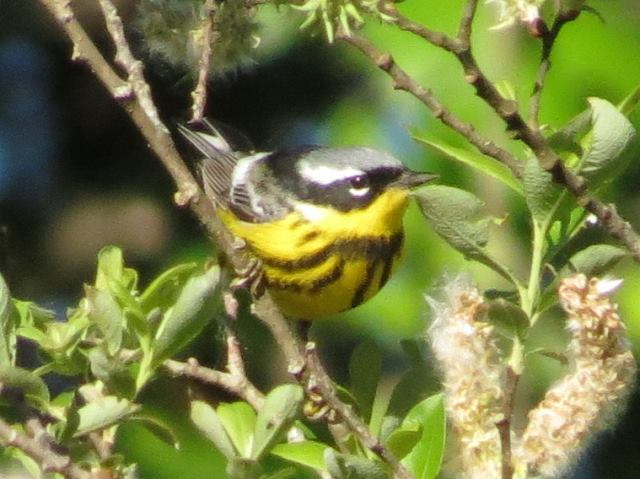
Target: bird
x,y
325,224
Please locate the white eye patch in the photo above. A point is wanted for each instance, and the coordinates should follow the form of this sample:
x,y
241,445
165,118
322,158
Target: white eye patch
x,y
359,192
325,175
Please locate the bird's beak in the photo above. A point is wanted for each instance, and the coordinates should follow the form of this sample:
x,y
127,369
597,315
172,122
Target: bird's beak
x,y
412,179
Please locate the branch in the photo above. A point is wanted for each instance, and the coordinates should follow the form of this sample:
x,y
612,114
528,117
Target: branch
x,y
306,367
38,446
199,94
234,381
402,81
548,41
507,110
133,94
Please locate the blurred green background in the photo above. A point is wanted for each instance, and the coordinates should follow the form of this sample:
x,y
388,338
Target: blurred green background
x,y
75,175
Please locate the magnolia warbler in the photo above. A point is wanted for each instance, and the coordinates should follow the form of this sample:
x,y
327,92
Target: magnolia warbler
x,y
325,223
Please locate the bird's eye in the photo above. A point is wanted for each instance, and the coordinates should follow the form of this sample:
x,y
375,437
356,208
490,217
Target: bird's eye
x,y
359,186
359,182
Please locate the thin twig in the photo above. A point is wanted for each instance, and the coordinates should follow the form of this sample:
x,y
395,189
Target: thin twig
x,y
38,446
469,13
199,93
504,426
143,114
402,81
506,109
548,41
233,383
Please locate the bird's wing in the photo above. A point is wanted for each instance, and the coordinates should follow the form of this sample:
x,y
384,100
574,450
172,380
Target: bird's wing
x,y
217,168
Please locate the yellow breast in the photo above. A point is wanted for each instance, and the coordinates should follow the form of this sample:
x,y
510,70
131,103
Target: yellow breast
x,y
319,261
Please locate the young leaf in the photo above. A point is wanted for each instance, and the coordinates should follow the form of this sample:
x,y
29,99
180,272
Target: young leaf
x,y
347,466
158,428
104,311
509,318
306,453
102,413
364,373
111,268
281,408
25,380
456,215
425,460
164,290
197,303
239,421
207,421
612,133
7,343
484,164
401,441
594,260
541,192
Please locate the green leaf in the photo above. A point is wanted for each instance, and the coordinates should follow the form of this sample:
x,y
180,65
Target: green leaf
x,y
208,423
7,338
197,303
401,441
509,318
612,133
281,408
541,192
111,268
456,215
568,137
103,412
105,312
425,460
25,380
164,290
594,260
347,466
239,421
30,465
306,453
418,382
158,428
480,162
365,367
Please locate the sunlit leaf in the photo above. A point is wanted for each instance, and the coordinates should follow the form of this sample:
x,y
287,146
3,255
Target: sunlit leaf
x,y
103,412
306,453
365,367
164,289
612,133
197,303
105,312
111,268
239,421
281,408
208,423
483,164
457,216
425,460
541,192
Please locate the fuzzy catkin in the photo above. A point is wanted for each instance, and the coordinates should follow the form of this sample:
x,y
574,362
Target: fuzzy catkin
x,y
463,343
585,401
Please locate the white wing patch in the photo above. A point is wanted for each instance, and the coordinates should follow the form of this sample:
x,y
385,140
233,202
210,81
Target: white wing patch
x,y
325,175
